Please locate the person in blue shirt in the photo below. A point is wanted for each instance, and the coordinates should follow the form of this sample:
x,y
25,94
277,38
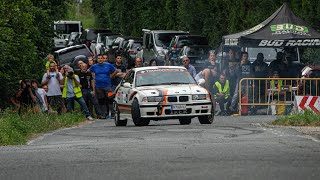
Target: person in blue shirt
x,y
103,72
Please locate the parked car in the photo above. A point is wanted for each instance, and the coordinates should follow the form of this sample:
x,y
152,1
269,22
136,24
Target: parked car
x,y
159,93
117,47
71,39
132,47
67,56
88,35
179,41
197,55
103,42
155,44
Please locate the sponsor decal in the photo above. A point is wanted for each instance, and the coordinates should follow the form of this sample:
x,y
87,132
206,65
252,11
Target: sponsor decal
x,y
289,43
287,28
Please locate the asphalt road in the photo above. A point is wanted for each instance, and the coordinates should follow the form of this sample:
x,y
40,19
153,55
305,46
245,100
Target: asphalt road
x,y
230,148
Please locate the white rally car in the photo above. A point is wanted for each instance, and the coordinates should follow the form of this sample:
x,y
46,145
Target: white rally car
x,y
159,93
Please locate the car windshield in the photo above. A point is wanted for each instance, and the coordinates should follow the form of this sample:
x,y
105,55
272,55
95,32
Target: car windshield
x,y
154,77
164,39
198,51
192,40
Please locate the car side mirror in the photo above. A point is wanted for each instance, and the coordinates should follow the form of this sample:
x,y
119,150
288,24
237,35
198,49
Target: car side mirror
x,y
127,85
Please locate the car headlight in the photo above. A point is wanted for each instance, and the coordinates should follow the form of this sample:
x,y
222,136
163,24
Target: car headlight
x,y
201,97
153,99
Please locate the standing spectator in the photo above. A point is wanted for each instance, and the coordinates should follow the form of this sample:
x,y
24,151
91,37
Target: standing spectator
x,y
260,71
245,70
138,62
153,62
72,92
87,88
274,65
80,63
210,72
27,97
121,72
222,93
42,93
90,62
103,72
105,57
188,66
54,94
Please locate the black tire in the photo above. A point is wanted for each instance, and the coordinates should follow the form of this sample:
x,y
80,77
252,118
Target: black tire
x,y
207,119
117,120
136,116
185,120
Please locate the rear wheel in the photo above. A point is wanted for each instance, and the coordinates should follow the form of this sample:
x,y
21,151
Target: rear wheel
x,y
185,120
136,116
117,119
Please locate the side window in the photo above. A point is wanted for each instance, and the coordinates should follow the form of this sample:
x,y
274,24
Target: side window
x,y
128,78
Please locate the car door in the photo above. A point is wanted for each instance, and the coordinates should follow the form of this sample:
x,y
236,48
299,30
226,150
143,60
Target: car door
x,y
148,52
123,93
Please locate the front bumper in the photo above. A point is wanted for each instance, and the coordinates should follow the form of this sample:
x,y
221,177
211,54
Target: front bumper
x,y
160,111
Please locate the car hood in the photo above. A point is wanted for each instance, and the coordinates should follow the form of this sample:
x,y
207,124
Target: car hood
x,y
172,90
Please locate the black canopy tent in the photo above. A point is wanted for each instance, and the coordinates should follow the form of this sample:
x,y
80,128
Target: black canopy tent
x,y
281,29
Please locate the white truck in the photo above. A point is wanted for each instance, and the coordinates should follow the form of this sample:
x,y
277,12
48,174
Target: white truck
x,y
63,29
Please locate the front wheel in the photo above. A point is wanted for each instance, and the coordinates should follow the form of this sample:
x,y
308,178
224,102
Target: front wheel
x,y
185,120
207,119
136,116
117,119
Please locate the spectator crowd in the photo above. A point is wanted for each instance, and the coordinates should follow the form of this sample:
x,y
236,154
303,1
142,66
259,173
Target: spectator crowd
x,y
93,85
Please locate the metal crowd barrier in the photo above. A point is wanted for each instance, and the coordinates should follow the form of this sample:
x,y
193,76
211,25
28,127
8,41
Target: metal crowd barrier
x,y
254,92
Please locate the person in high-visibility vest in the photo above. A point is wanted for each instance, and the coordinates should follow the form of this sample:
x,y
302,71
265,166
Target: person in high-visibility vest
x,y
72,92
221,91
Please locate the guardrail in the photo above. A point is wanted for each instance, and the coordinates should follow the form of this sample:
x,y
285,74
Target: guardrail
x,y
274,91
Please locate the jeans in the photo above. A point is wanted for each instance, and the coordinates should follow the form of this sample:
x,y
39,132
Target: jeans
x,y
70,105
91,101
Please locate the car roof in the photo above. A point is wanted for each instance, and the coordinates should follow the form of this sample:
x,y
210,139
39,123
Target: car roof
x,y
189,35
99,30
168,31
109,34
158,67
67,49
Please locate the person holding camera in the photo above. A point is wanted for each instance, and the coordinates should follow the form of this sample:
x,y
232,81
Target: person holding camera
x,y
72,92
54,95
27,97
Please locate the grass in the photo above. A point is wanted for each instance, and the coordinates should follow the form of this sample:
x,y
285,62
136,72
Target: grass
x,y
308,118
16,130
